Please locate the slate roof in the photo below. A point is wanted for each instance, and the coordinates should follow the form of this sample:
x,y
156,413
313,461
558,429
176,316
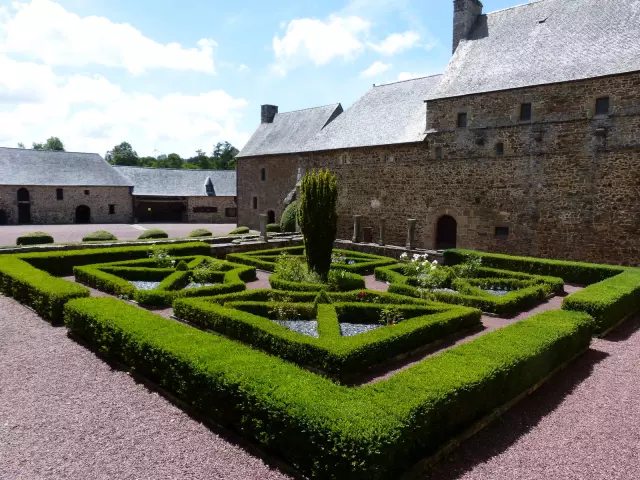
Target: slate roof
x,y
170,182
290,131
545,42
19,166
385,115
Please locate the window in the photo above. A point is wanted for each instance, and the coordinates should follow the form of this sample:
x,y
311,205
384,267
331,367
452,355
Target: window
x,y
263,174
388,157
500,148
205,209
602,106
86,192
525,112
438,152
59,194
502,232
462,120
230,212
112,209
255,203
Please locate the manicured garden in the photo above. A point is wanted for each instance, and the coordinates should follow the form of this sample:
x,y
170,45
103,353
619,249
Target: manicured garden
x,y
270,364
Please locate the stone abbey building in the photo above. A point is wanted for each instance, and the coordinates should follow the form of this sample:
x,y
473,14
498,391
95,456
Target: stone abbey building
x,y
45,187
528,143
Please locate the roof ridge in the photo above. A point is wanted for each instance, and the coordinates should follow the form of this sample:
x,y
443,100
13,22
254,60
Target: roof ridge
x,y
309,108
51,151
533,2
177,169
409,80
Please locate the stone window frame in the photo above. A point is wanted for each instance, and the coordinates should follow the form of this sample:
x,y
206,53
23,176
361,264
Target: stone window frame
x,y
112,209
388,157
263,174
499,148
526,120
462,119
343,159
501,232
231,209
439,153
87,192
597,103
59,193
255,203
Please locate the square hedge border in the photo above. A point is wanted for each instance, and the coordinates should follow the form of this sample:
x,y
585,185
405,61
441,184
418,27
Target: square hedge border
x,y
321,428
243,317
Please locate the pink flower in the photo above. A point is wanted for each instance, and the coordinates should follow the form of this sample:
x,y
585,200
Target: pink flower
x,y
361,294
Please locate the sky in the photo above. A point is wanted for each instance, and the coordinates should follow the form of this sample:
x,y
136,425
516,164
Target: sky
x,y
172,76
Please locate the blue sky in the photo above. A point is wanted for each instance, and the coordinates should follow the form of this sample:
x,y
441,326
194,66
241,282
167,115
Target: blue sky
x,y
175,76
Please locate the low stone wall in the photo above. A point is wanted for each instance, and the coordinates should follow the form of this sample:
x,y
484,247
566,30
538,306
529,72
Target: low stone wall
x,y
391,251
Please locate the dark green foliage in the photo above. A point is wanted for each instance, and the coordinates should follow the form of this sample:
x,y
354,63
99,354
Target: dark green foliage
x,y
288,218
200,232
318,218
52,143
608,301
239,231
153,233
346,282
322,297
36,288
99,236
34,238
273,228
323,429
182,266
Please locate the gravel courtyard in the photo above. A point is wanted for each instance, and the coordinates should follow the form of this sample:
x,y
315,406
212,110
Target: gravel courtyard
x,y
65,414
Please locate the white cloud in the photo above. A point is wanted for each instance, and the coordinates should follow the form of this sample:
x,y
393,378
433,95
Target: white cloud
x,y
90,113
43,30
396,43
319,42
243,68
375,69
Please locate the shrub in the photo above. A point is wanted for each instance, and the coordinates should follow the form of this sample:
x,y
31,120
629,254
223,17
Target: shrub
x,y
273,228
239,231
323,429
182,266
153,233
201,232
318,219
288,218
100,236
34,238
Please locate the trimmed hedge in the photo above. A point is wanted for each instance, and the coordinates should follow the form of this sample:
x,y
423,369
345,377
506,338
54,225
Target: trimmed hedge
x,y
609,301
573,272
99,236
239,231
351,281
323,429
34,238
37,289
200,232
273,228
153,233
288,218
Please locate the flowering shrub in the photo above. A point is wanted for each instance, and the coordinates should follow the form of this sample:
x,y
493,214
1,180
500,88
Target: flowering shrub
x,y
469,268
204,272
390,316
430,275
342,258
294,269
162,257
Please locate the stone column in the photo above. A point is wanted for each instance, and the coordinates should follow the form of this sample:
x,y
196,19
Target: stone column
x,y
356,229
263,227
382,222
411,233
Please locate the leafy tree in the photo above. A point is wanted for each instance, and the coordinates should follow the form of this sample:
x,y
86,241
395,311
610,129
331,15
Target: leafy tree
x,y
224,156
122,154
174,161
318,219
52,143
20,145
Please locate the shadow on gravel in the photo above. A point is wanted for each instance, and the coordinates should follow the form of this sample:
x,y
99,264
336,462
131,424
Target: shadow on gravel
x,y
624,331
505,431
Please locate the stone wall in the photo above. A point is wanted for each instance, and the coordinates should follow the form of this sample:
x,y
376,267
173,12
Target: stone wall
x,y
46,209
563,190
221,204
281,173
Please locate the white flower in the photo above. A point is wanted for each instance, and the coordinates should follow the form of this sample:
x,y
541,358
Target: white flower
x,y
416,257
435,262
433,267
425,263
404,256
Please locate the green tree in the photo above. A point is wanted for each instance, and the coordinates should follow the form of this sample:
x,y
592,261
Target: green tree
x,y
318,219
122,154
174,161
52,143
224,156
20,145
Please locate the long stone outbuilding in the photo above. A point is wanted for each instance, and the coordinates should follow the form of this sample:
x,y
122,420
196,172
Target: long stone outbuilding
x,y
528,143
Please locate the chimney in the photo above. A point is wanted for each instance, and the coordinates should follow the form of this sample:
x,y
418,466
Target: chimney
x,y
268,113
465,13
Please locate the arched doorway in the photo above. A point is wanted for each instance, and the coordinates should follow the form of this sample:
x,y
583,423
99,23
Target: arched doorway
x,y
24,206
446,232
83,214
271,216
3,217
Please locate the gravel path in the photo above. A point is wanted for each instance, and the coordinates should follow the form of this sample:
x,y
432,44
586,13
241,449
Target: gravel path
x,y
65,414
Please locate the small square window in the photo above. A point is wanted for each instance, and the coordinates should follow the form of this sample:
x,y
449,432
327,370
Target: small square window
x,y
263,174
59,194
86,192
388,157
230,212
462,120
255,203
502,232
602,106
525,112
438,152
112,209
499,148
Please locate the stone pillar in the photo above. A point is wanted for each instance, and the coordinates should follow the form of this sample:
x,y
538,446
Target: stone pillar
x,y
356,229
411,233
382,222
263,227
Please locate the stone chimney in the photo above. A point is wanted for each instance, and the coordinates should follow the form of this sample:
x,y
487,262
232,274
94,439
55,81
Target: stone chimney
x,y
465,13
268,113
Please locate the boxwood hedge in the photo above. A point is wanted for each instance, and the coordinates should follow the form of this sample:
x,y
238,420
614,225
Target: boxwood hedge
x,y
34,238
321,428
348,281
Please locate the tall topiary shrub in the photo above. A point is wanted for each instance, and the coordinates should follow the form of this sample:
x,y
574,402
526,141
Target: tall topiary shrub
x,y
318,219
288,218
